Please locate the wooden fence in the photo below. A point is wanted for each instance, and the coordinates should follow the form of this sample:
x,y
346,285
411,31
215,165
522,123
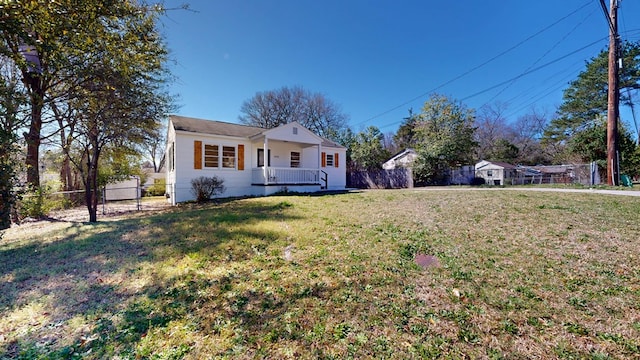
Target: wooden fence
x,y
381,179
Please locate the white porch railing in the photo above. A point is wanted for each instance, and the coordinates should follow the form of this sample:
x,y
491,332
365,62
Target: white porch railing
x,y
285,176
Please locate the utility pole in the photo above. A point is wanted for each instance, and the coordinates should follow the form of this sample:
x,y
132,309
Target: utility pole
x,y
613,111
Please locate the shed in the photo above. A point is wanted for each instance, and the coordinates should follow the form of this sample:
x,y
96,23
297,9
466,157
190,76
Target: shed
x,y
495,172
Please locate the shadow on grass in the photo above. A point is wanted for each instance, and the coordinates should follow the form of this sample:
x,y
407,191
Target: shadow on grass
x,y
87,271
322,193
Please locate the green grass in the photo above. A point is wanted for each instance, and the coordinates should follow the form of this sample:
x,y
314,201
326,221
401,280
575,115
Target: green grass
x,y
521,275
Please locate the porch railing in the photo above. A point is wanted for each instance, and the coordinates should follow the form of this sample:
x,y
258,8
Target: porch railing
x,y
285,176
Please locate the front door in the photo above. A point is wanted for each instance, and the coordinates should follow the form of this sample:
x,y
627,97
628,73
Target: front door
x,y
261,157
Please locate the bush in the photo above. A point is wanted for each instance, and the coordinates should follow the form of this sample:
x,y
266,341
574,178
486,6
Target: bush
x,y
476,181
158,188
35,203
204,188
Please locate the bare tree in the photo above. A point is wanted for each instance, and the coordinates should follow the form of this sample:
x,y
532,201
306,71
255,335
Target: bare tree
x,y
314,111
527,132
154,147
389,144
491,126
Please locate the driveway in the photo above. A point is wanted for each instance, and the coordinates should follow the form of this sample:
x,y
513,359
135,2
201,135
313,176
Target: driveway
x,y
588,191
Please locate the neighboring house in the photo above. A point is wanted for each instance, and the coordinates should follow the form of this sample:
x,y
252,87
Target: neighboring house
x,y
495,173
403,159
586,174
295,159
154,178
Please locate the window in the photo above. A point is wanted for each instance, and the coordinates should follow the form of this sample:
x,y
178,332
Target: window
x,y
211,156
295,159
329,162
261,158
171,156
489,173
228,157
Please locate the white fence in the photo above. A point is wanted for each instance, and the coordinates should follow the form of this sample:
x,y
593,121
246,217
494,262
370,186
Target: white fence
x,y
285,176
123,190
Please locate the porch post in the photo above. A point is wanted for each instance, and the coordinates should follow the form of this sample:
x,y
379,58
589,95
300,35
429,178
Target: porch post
x,y
319,163
265,155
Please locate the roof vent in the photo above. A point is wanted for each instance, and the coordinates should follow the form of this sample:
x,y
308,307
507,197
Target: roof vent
x,y
295,130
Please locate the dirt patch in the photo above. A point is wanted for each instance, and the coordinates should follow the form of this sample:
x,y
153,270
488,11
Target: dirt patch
x,y
62,218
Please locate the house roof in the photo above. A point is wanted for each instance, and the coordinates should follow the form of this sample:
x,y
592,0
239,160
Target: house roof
x,y
214,127
554,169
503,165
402,153
329,143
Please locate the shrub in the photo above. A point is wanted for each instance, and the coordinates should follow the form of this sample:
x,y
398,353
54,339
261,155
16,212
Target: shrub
x,y
477,181
204,188
158,188
35,203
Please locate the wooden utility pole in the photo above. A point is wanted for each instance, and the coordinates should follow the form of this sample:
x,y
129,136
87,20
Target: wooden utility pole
x,y
613,111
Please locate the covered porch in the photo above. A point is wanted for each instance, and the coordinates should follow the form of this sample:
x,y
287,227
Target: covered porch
x,y
288,176
293,157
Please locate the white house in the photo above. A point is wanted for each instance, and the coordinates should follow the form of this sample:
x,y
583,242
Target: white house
x,y
495,173
296,159
403,159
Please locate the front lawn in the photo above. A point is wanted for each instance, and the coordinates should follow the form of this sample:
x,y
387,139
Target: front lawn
x,y
518,275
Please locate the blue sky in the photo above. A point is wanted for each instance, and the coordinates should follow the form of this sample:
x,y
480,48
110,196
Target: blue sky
x,y
378,58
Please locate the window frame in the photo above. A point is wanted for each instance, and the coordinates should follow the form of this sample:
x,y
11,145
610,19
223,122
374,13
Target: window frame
x,y
172,158
297,162
213,157
216,148
226,161
329,163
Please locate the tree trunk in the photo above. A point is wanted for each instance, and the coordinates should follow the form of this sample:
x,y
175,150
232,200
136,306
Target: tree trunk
x,y
33,147
92,204
65,169
91,195
93,154
65,174
33,137
91,192
5,203
6,177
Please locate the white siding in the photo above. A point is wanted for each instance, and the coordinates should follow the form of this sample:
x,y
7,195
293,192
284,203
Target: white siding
x,y
287,133
337,176
170,172
281,141
236,181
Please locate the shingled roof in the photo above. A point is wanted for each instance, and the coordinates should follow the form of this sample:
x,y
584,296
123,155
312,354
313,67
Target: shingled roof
x,y
213,127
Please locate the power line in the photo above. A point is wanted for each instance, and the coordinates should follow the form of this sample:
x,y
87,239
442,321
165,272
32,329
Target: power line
x,y
532,70
633,114
476,67
543,55
606,14
567,73
519,76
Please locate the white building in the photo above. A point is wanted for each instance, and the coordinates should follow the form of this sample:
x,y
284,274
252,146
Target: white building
x,y
296,159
